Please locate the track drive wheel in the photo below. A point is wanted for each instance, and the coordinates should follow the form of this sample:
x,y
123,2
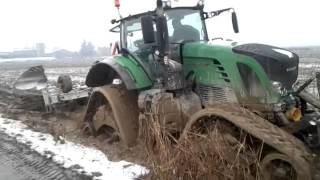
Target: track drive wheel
x,y
114,112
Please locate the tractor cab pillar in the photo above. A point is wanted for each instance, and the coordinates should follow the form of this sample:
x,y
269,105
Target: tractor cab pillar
x,y
155,33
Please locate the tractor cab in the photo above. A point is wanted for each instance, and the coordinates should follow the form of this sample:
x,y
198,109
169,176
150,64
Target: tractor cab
x,y
184,24
155,36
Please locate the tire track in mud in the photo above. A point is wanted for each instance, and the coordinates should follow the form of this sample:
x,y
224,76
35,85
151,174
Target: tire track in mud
x,y
27,164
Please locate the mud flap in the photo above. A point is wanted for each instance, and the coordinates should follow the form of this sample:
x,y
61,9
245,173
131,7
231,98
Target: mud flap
x,y
33,78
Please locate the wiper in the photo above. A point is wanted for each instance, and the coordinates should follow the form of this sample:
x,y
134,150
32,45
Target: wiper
x,y
216,13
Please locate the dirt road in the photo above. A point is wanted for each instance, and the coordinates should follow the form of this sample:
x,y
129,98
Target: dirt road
x,y
18,162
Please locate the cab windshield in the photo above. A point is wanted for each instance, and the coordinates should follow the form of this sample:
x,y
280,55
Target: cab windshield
x,y
183,25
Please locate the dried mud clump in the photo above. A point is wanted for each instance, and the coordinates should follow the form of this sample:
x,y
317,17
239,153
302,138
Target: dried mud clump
x,y
212,150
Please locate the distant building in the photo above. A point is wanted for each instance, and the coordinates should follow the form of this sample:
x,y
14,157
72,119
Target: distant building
x,y
26,53
41,49
62,53
38,51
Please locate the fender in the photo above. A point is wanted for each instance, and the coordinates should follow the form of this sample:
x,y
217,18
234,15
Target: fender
x,y
130,72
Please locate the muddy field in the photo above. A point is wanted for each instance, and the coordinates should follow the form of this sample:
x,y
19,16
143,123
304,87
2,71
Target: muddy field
x,y
66,120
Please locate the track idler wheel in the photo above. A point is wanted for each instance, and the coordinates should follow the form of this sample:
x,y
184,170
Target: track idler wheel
x,y
277,166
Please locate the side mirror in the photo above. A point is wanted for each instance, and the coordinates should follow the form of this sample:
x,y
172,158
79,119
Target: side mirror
x,y
235,22
147,29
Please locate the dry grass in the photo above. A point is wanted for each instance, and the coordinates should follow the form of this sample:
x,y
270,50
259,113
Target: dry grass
x,y
206,153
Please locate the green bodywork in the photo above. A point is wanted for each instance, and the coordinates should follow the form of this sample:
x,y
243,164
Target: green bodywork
x,y
217,65
211,65
136,72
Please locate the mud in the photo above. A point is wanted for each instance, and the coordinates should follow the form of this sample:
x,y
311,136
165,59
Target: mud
x,y
66,120
18,162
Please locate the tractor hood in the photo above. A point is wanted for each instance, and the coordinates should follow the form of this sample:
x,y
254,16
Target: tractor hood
x,y
280,64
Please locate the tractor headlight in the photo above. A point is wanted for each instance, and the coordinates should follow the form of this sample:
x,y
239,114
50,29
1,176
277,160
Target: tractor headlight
x,y
277,86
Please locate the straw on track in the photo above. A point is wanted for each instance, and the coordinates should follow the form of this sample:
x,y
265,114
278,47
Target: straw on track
x,y
211,153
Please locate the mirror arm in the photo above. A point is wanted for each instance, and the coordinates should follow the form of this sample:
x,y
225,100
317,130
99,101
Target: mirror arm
x,y
212,14
113,21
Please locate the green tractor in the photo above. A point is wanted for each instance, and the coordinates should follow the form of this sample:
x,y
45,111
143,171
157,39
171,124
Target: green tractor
x,y
168,68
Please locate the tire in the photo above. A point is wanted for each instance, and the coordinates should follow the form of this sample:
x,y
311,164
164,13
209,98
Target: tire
x,y
124,106
65,83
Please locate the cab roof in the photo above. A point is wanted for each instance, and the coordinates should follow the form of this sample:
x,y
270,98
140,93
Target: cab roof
x,y
115,29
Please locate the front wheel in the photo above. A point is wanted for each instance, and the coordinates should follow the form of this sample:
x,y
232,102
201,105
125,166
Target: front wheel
x,y
113,110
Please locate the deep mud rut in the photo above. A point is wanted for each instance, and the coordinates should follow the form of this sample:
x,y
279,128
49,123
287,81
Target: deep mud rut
x,y
67,122
18,162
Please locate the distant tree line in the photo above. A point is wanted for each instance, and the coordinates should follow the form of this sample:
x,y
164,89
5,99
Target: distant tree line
x,y
87,50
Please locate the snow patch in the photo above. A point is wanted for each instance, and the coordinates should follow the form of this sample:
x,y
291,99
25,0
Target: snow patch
x,y
309,65
70,154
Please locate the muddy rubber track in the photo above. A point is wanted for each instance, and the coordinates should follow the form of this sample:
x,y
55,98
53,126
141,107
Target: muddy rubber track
x,y
27,164
265,131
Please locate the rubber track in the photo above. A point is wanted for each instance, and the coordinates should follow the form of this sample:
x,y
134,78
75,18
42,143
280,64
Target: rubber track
x,y
263,130
31,165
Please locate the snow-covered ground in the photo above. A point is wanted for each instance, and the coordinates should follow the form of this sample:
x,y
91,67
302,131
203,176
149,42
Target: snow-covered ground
x,y
309,65
70,154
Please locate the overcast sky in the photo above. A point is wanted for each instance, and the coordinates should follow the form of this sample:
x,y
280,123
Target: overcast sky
x,y
66,23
